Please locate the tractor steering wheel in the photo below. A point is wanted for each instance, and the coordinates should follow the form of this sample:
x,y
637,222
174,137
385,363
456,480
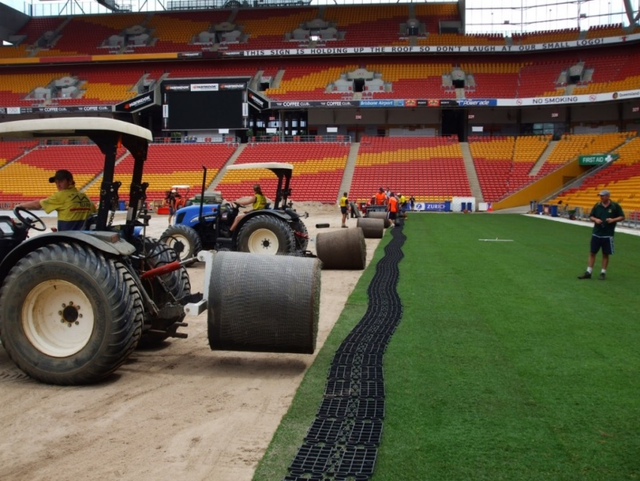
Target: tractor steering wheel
x,y
29,219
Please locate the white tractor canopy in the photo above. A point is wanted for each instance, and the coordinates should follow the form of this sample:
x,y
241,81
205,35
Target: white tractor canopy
x,y
262,165
69,127
282,170
108,134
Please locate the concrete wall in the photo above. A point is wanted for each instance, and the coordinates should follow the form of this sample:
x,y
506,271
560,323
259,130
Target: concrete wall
x,y
10,21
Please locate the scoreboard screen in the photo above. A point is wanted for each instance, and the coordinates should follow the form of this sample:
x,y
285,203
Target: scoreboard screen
x,y
204,104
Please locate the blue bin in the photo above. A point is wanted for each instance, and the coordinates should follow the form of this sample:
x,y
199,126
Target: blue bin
x,y
122,205
553,210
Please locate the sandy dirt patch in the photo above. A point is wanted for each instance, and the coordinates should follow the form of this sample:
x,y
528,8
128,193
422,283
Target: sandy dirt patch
x,y
180,412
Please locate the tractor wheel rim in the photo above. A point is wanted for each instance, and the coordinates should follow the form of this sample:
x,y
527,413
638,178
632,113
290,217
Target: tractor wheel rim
x,y
57,318
175,239
263,241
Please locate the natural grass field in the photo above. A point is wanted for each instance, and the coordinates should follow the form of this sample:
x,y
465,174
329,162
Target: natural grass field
x,y
505,366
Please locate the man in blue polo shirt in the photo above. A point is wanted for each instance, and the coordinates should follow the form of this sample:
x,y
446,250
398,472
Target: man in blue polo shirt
x,y
73,206
604,215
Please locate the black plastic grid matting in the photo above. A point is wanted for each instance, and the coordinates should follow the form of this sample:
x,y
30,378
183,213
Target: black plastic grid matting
x,y
312,458
360,388
351,407
367,432
325,430
370,409
358,358
354,371
342,442
364,348
357,460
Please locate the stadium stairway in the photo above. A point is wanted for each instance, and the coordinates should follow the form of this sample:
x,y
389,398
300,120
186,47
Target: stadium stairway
x,y
216,180
543,158
472,175
347,177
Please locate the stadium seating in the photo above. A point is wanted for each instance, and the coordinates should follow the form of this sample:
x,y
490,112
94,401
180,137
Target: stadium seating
x,y
368,26
571,146
429,168
176,31
503,164
318,169
171,164
266,29
94,30
621,177
27,177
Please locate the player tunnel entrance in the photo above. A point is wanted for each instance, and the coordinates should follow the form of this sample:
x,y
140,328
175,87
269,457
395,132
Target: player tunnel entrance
x,y
454,122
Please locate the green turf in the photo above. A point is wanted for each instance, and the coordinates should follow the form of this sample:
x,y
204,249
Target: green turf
x,y
505,366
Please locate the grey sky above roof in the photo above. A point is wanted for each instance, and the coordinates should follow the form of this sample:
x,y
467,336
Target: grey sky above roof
x,y
480,16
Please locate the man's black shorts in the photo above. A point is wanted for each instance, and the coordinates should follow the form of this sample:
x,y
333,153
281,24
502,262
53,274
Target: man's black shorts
x,y
604,243
343,210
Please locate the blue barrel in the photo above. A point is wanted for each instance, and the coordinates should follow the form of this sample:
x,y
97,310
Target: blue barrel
x,y
122,205
553,210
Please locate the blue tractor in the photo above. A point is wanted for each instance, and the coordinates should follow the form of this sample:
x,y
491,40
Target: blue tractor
x,y
276,230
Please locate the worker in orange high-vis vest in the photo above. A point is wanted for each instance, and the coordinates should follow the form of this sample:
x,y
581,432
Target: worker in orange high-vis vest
x,y
392,207
381,197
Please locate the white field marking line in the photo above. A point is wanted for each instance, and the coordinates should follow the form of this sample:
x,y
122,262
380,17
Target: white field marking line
x,y
496,240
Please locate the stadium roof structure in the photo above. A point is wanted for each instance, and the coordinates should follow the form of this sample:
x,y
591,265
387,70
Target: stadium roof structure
x,y
478,16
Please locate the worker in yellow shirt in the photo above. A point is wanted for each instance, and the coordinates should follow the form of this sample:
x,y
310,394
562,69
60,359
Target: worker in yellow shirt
x,y
73,206
344,208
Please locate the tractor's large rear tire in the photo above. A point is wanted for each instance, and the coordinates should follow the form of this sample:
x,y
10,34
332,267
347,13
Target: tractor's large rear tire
x,y
301,235
342,249
184,239
266,234
263,303
69,315
165,290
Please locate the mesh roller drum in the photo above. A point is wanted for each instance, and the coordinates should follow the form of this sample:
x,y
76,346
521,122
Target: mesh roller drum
x,y
263,303
372,228
380,215
342,249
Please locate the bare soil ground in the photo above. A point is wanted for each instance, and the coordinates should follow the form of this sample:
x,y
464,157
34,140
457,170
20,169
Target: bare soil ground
x,y
179,412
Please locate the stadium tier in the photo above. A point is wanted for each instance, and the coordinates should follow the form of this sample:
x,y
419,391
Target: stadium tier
x,y
431,169
217,30
615,69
